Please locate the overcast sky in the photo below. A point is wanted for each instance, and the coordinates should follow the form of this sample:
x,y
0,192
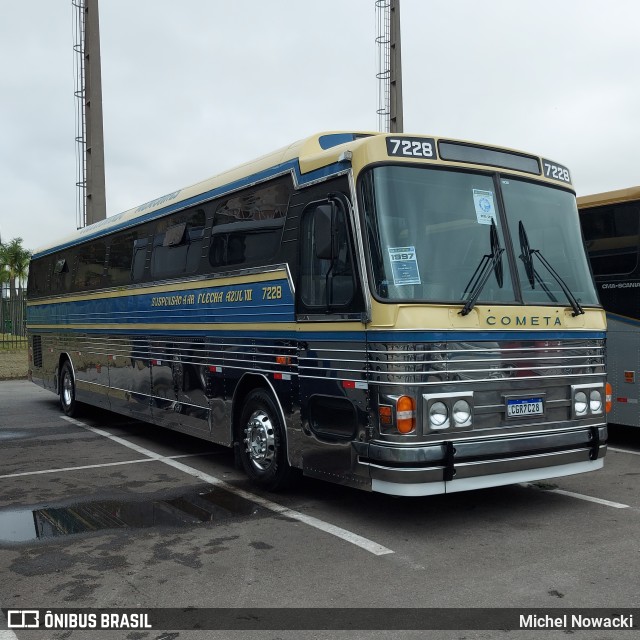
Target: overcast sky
x,y
194,87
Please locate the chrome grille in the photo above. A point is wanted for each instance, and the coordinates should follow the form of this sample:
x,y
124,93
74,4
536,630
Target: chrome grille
x,y
459,362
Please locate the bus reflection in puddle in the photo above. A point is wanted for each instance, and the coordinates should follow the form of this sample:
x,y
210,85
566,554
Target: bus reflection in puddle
x,y
23,525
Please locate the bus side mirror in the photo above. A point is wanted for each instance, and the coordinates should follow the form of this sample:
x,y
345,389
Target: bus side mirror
x,y
322,236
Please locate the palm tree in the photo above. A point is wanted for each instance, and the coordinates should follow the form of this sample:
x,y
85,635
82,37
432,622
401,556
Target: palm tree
x,y
14,261
14,258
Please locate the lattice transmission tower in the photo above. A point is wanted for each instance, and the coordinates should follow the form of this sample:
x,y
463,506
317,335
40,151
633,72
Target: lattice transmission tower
x,y
90,181
389,66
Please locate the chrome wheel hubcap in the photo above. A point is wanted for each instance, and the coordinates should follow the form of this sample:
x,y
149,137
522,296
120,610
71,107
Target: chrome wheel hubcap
x,y
67,390
260,440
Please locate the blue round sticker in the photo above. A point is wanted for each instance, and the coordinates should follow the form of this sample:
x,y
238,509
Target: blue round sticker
x,y
484,204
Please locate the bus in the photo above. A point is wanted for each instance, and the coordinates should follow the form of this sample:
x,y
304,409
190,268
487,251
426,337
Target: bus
x,y
610,224
398,313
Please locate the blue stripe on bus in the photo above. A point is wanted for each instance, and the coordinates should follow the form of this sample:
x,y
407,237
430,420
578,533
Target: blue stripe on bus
x,y
106,228
624,319
239,303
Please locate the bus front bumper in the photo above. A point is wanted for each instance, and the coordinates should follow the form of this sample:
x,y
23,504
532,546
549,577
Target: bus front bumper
x,y
450,466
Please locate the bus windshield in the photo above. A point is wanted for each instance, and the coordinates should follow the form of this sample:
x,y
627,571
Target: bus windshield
x,y
437,235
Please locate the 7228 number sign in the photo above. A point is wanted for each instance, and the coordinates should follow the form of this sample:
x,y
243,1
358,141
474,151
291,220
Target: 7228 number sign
x,y
424,148
556,171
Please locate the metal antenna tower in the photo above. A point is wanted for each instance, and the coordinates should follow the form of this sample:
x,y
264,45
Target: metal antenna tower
x,y
389,66
91,199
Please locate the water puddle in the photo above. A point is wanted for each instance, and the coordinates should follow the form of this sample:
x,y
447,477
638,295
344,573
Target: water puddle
x,y
22,525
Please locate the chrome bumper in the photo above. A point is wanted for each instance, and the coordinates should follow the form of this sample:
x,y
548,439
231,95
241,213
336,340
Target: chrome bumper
x,y
450,466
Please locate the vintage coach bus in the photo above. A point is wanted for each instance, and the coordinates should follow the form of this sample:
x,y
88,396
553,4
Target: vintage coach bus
x,y
402,314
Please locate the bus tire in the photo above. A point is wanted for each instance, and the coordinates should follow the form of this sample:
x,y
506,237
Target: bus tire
x,y
68,390
263,447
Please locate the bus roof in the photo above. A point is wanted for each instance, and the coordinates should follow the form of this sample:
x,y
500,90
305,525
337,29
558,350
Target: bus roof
x,y
320,150
308,160
609,197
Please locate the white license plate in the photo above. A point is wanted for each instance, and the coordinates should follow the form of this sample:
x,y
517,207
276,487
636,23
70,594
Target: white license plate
x,y
522,407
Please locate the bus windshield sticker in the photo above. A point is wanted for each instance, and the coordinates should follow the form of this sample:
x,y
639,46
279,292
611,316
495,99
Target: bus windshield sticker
x,y
404,265
485,208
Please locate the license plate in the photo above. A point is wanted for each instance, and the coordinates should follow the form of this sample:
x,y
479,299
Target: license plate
x,y
523,407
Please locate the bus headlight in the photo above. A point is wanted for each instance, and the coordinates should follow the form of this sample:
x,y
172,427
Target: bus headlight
x,y
595,401
580,403
445,410
439,416
461,413
587,400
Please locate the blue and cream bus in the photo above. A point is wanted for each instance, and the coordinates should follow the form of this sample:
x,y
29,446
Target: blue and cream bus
x,y
403,314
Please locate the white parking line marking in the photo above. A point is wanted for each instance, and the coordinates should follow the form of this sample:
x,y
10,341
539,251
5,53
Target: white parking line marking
x,y
633,453
100,466
339,532
580,496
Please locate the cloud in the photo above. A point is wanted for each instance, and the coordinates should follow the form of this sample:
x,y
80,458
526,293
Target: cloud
x,y
191,89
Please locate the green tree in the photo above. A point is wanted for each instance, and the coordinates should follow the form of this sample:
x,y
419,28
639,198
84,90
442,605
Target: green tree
x,y
14,259
14,267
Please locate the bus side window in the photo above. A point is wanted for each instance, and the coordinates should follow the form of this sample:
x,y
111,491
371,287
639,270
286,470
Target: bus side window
x,y
247,227
139,259
611,235
90,267
120,252
177,245
61,282
37,282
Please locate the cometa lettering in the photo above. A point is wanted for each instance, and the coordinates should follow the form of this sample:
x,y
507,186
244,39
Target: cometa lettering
x,y
524,321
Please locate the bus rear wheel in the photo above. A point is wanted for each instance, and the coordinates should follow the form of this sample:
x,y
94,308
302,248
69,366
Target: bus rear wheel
x,y
68,390
263,449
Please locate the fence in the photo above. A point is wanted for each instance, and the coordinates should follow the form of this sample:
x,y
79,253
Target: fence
x,y
13,322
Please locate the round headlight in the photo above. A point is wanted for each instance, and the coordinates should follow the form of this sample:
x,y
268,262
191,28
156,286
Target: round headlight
x,y
438,415
580,403
461,413
595,401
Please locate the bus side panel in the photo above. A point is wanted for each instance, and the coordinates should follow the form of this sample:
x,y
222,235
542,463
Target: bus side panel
x,y
243,363
623,370
164,402
50,360
131,380
334,408
191,379
90,357
179,400
37,344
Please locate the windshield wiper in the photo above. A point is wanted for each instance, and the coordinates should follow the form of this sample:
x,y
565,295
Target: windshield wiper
x,y
489,262
527,256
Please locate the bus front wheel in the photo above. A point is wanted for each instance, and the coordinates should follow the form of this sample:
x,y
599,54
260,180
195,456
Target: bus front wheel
x,y
68,390
263,442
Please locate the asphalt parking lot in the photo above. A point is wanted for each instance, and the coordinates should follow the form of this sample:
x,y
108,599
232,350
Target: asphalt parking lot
x,y
106,512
